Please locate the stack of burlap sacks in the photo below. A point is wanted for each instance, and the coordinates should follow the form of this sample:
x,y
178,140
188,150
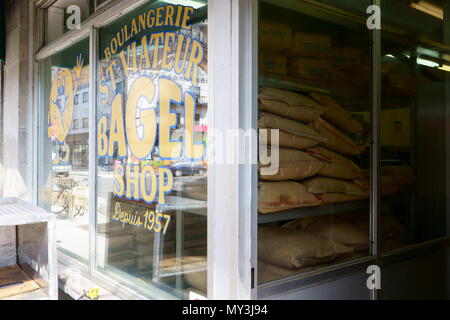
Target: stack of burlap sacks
x,y
314,164
315,168
307,244
300,246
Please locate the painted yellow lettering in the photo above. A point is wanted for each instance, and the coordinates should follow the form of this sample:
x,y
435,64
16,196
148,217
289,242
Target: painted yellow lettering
x,y
141,147
194,60
170,37
169,91
117,134
133,182
148,170
102,138
165,185
118,187
186,17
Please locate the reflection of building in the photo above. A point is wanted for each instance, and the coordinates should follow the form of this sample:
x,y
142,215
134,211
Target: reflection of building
x,y
78,137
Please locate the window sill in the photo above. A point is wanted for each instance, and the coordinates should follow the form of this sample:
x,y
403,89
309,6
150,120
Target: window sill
x,y
74,283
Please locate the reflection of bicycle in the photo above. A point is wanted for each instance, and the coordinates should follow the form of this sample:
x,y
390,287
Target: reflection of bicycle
x,y
64,197
72,204
79,206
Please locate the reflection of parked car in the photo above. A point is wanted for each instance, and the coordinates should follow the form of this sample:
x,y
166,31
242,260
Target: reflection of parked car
x,y
187,169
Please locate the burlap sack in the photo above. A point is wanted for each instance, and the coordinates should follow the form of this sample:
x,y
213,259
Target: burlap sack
x,y
293,99
389,186
336,166
337,115
270,120
300,113
279,196
294,165
333,197
293,249
274,36
268,272
272,63
319,185
339,230
288,140
403,175
310,45
336,140
390,227
395,179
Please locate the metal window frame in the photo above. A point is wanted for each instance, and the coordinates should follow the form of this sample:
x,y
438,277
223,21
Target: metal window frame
x,y
375,158
93,61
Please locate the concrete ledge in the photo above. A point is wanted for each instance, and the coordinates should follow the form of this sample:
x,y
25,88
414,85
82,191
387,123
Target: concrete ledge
x,y
72,282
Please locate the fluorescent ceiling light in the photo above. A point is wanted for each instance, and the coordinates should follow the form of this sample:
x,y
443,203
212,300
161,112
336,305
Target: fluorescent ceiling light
x,y
188,3
428,63
445,68
428,8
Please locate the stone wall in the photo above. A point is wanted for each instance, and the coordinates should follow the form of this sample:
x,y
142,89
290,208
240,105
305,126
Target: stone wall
x,y
7,246
16,119
16,111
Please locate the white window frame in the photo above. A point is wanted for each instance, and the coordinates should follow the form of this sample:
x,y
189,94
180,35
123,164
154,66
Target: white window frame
x,y
231,210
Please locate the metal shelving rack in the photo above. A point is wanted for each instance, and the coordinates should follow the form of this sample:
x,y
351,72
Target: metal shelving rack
x,y
335,208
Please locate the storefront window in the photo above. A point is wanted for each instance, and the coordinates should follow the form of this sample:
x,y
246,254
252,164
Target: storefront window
x,y
151,146
314,101
414,122
63,165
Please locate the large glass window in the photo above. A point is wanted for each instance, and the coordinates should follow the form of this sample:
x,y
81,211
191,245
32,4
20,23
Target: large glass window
x,y
63,164
151,134
414,122
314,100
